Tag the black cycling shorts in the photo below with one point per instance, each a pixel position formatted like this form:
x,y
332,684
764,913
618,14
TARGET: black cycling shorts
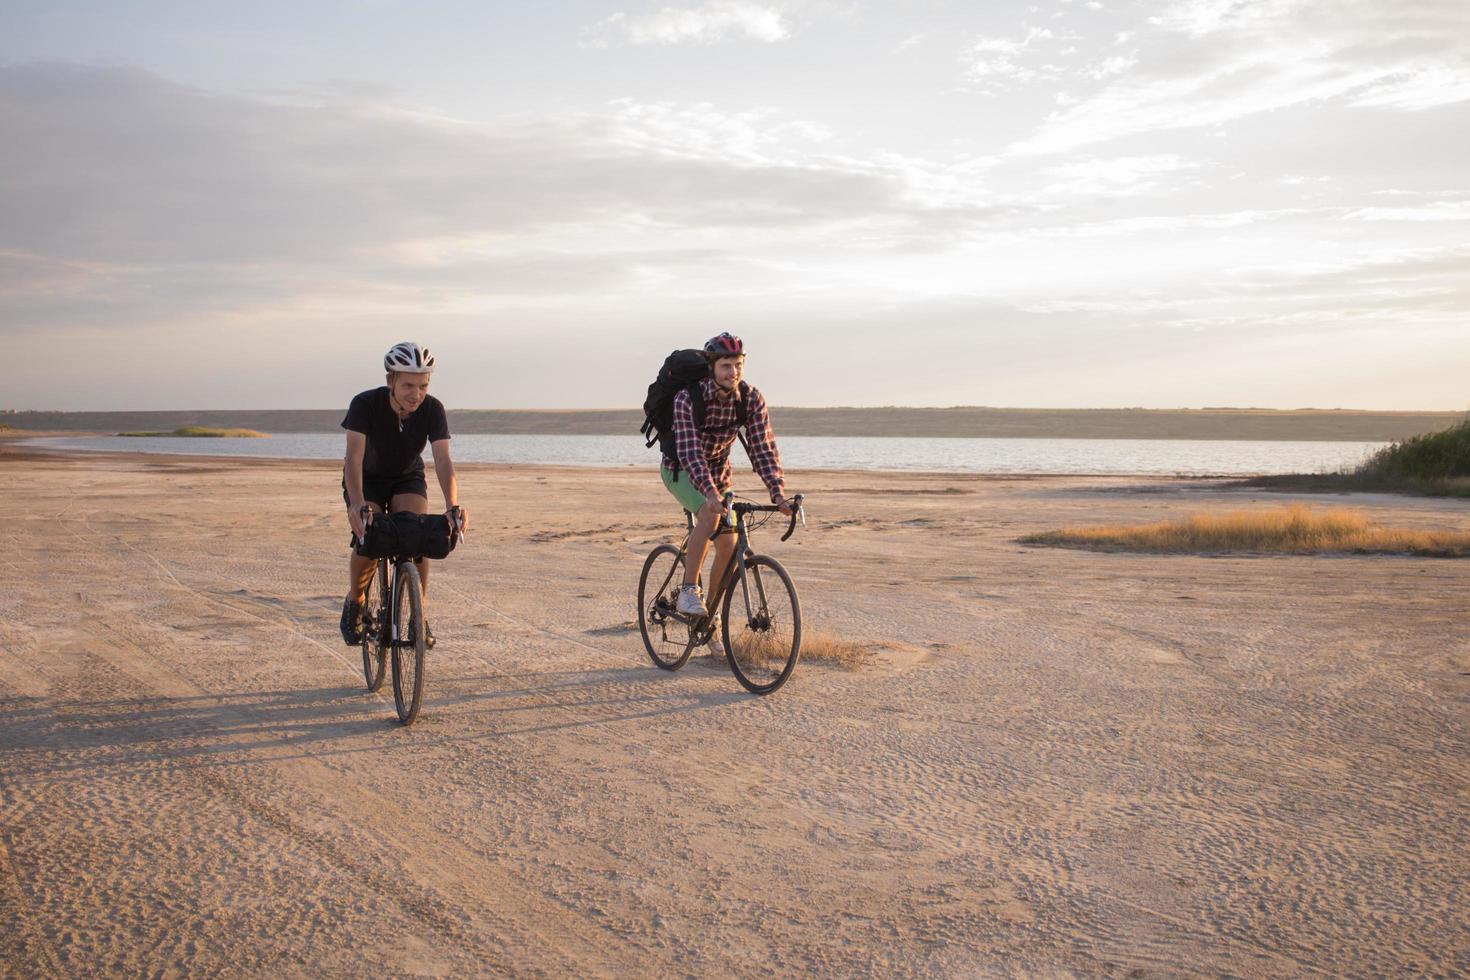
x,y
382,489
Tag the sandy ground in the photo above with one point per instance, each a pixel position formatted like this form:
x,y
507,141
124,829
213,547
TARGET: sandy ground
x,y
1062,763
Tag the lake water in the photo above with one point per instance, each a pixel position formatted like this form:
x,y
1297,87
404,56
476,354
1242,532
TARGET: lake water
x,y
1102,456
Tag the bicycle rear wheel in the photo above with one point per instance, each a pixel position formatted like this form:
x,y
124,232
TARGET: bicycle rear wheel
x,y
408,642
375,637
666,638
762,627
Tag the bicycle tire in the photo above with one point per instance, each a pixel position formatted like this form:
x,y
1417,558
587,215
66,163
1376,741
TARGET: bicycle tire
x,y
408,643
375,630
663,635
762,625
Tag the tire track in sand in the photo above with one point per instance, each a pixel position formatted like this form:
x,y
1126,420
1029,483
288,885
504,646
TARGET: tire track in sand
x,y
441,855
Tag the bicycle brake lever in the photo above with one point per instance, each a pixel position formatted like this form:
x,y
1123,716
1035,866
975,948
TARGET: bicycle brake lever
x,y
795,513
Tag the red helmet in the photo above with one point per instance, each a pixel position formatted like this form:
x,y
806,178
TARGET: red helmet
x,y
724,345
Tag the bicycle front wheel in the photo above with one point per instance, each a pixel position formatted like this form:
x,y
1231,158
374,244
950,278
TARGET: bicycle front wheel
x,y
375,639
408,642
762,625
665,637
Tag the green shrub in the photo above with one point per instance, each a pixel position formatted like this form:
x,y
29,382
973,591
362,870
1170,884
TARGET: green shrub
x,y
1433,456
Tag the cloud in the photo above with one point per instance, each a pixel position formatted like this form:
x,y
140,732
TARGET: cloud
x,y
707,23
1110,67
126,199
1149,224
121,164
1116,176
1418,88
1039,56
1436,211
757,136
1198,18
1424,289
1208,62
992,64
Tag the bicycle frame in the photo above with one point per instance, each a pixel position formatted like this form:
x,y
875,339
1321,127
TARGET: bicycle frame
x,y
737,567
405,644
703,626
389,631
761,623
391,566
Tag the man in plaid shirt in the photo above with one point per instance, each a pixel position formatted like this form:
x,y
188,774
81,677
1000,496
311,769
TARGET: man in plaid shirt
x,y
700,477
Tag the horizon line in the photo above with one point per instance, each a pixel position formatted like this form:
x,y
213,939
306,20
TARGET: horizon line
x,y
4,412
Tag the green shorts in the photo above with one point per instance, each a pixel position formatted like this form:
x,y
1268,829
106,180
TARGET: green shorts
x,y
689,498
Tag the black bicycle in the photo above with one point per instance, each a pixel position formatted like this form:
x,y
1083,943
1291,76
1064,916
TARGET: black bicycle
x,y
757,603
393,629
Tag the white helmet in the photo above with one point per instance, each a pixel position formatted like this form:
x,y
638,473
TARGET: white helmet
x,y
409,358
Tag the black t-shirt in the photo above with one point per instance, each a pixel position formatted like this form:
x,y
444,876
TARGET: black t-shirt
x,y
394,448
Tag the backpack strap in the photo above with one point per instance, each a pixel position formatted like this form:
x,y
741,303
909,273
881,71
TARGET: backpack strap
x,y
696,402
742,418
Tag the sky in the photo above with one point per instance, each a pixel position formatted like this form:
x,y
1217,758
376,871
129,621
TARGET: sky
x,y
1074,203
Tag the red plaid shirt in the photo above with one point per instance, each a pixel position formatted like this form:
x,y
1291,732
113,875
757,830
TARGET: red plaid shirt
x,y
699,449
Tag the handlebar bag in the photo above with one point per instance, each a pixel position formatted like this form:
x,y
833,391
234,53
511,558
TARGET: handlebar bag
x,y
407,535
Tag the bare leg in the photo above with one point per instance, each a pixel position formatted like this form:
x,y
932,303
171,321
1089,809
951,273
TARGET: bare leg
x,y
704,526
724,551
360,570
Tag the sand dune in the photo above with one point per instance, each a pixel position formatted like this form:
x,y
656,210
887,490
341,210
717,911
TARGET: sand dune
x,y
1060,763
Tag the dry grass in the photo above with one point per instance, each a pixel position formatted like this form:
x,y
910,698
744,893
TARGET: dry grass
x,y
767,651
829,648
204,432
761,651
1296,530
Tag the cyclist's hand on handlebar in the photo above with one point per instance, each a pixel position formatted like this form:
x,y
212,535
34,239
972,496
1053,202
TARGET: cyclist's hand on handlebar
x,y
793,508
358,517
458,513
721,504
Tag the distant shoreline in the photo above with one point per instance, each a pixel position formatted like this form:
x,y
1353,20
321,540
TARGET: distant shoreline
x,y
1302,425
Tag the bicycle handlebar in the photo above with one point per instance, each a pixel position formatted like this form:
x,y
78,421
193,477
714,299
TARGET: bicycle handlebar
x,y
795,513
768,508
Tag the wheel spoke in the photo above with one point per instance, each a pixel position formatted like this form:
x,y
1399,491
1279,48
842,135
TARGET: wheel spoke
x,y
408,643
763,626
666,638
374,617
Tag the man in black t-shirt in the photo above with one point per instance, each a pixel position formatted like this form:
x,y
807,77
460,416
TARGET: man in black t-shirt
x,y
387,429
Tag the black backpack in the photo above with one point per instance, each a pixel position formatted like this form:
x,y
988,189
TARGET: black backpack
x,y
681,371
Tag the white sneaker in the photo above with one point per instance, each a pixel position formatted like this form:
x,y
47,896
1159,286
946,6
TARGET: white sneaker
x,y
716,645
691,601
